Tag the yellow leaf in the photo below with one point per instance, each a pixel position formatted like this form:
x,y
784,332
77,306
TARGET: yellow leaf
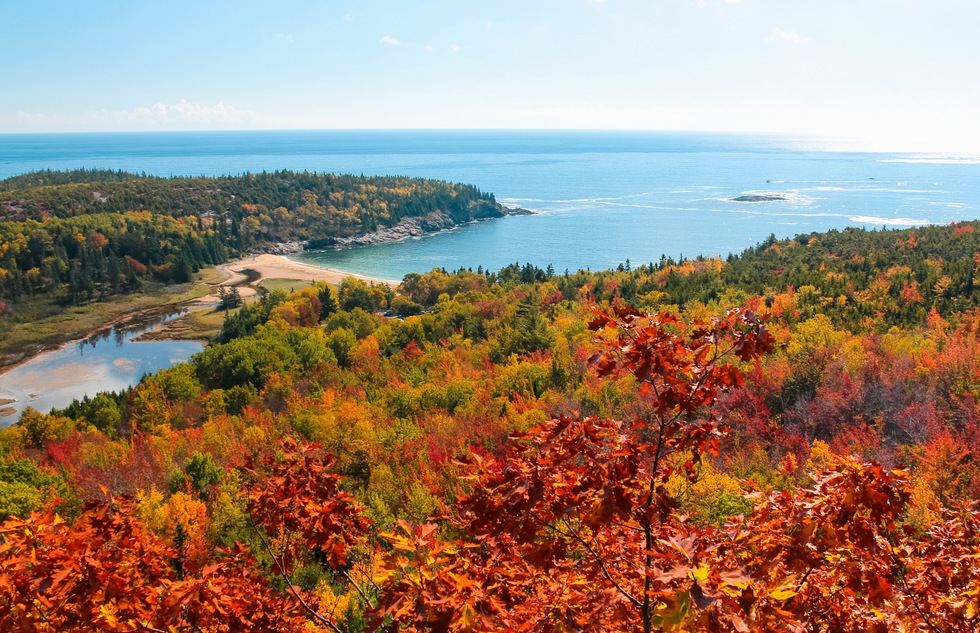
x,y
467,616
784,592
699,574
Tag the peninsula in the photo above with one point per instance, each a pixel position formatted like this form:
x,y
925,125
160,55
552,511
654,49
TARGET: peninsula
x,y
83,248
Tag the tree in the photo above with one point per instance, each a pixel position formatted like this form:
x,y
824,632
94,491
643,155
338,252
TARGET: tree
x,y
306,519
229,298
577,529
328,305
576,526
107,572
201,473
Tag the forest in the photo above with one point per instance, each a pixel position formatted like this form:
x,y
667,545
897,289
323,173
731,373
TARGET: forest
x,y
87,234
783,440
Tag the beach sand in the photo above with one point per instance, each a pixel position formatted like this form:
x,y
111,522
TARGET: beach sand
x,y
278,267
266,266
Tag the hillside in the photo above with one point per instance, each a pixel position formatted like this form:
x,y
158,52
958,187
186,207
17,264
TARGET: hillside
x,y
781,441
109,242
87,234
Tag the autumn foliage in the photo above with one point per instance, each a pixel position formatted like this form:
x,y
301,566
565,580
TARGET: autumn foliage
x,y
576,529
424,486
107,572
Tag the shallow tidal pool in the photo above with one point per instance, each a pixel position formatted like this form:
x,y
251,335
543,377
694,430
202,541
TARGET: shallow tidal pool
x,y
107,361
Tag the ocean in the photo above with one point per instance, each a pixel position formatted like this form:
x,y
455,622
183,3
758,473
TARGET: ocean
x,y
598,198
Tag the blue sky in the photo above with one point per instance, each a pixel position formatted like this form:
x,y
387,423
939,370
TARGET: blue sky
x,y
889,74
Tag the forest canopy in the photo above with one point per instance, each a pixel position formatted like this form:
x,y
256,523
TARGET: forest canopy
x,y
88,234
784,440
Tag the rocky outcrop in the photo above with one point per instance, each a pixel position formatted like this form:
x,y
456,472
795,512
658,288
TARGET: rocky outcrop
x,y
760,197
281,248
406,228
421,225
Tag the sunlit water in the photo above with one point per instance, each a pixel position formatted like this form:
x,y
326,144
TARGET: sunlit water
x,y
599,198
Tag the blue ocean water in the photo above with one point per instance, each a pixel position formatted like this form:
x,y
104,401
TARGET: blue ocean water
x,y
599,198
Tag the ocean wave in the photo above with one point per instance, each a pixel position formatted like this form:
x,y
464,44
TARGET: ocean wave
x,y
603,199
872,219
755,212
653,207
950,205
800,215
810,184
888,190
935,160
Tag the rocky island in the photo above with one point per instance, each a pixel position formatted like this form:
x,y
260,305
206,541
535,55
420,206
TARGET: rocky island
x,y
760,197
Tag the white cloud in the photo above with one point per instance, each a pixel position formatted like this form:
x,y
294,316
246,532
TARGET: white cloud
x,y
348,17
180,114
389,40
428,48
454,48
284,37
792,37
30,120
599,2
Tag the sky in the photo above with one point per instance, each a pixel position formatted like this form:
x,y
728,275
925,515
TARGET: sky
x,y
867,74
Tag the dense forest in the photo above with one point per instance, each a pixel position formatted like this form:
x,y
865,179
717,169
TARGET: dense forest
x,y
781,441
84,235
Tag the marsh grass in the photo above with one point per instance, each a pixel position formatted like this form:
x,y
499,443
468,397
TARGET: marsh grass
x,y
41,322
289,285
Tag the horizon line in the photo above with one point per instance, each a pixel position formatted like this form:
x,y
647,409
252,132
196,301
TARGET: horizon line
x,y
820,143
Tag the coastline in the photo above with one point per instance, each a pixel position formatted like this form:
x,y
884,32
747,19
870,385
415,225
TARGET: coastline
x,y
137,319
245,273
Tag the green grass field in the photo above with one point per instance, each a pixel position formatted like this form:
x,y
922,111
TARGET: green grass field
x,y
289,285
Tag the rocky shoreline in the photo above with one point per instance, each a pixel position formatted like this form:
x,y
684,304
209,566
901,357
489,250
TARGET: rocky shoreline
x,y
405,228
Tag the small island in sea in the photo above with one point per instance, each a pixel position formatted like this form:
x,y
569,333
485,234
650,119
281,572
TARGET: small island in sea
x,y
760,197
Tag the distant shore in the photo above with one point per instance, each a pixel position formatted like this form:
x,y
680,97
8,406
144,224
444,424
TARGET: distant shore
x,y
268,266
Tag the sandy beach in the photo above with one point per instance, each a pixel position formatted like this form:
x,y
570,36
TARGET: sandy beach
x,y
278,267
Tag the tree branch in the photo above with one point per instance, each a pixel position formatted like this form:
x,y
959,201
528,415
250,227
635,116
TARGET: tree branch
x,y
289,583
602,565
